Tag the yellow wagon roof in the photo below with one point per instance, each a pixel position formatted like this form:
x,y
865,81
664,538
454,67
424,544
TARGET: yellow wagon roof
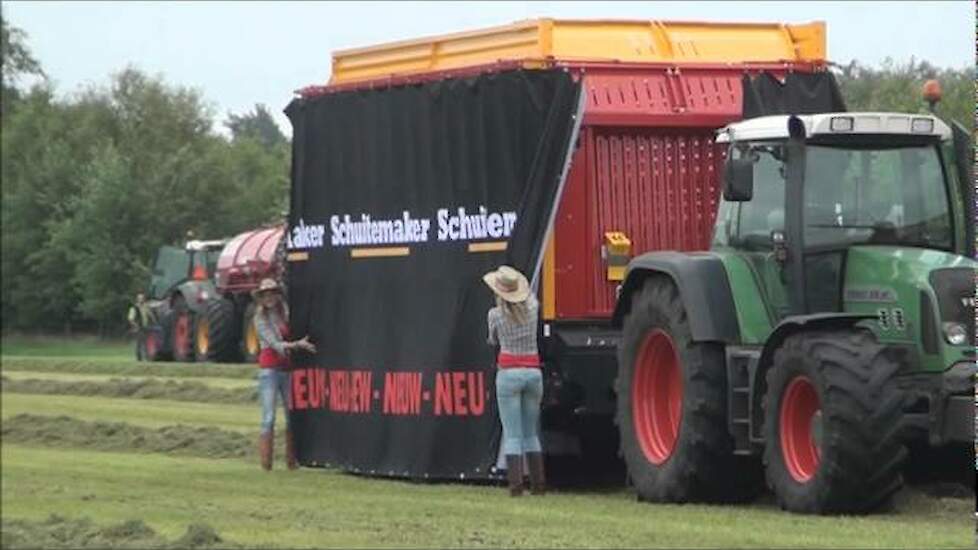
x,y
536,41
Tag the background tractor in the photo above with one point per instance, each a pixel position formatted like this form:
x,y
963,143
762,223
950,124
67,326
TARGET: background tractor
x,y
179,291
226,333
830,324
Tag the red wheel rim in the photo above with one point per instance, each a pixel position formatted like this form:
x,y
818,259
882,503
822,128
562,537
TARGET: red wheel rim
x,y
657,397
800,411
181,335
151,346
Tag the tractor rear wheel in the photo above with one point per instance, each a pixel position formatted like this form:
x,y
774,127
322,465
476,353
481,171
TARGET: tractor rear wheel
x,y
672,403
202,338
832,421
150,345
249,335
182,331
224,332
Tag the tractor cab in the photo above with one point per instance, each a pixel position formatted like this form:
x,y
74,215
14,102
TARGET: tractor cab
x,y
851,212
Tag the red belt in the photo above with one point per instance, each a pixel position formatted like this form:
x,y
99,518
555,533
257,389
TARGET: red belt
x,y
511,361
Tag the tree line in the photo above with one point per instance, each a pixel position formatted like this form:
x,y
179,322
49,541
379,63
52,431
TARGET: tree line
x,y
95,182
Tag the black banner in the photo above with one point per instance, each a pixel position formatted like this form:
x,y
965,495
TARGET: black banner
x,y
799,94
401,199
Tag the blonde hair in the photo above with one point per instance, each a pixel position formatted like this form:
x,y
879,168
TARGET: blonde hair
x,y
516,312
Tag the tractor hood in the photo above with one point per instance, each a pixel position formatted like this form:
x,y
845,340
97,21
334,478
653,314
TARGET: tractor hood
x,y
916,295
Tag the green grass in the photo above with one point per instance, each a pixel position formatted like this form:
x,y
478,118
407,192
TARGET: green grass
x,y
223,383
325,508
126,367
318,508
53,346
151,413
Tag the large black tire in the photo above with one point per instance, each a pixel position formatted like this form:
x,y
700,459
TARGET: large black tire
x,y
224,331
249,337
847,456
663,376
182,331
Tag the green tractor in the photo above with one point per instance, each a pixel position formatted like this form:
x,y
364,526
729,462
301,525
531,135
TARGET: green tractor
x,y
180,290
830,325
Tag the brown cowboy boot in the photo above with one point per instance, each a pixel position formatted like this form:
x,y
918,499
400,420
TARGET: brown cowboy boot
x,y
514,474
265,450
538,481
290,451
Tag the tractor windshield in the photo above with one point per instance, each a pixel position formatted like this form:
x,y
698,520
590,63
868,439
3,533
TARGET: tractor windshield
x,y
893,196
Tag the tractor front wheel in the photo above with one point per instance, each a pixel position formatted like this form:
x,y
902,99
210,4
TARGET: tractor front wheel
x,y
672,405
249,336
832,416
182,331
224,331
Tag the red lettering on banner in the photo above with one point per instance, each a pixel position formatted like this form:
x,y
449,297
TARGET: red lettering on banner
x,y
459,390
414,393
320,385
477,393
390,396
443,393
360,392
339,398
315,399
402,393
299,390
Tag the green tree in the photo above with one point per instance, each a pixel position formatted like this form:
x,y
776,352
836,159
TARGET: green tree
x,y
897,87
17,62
258,125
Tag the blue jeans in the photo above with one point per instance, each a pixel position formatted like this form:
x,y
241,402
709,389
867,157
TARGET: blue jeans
x,y
272,383
518,392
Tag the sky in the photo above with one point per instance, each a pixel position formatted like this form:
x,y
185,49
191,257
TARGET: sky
x,y
242,53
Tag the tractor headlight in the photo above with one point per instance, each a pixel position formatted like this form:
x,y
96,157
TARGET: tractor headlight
x,y
955,333
922,126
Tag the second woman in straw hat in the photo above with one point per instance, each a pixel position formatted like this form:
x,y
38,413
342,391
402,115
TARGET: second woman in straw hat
x,y
519,381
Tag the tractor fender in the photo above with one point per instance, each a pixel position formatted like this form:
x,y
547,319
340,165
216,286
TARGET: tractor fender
x,y
703,286
197,294
788,326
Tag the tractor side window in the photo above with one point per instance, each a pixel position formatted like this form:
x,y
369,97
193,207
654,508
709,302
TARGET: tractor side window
x,y
171,267
764,213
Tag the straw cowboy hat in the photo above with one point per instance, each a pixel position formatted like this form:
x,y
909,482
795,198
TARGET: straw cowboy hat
x,y
508,283
266,285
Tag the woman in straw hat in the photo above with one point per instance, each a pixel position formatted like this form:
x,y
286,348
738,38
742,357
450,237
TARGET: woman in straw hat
x,y
519,381
271,324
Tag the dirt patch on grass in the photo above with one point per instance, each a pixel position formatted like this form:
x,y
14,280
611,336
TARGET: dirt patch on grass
x,y
64,431
174,390
60,532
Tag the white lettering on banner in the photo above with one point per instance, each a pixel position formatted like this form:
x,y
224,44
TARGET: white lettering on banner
x,y
466,227
305,236
453,225
366,231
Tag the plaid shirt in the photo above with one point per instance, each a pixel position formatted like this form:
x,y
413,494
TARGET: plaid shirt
x,y
266,325
514,338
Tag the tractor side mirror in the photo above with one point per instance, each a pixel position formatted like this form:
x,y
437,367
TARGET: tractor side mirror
x,y
738,177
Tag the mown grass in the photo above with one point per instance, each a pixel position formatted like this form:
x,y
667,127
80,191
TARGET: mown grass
x,y
137,388
224,383
317,508
76,463
55,346
126,367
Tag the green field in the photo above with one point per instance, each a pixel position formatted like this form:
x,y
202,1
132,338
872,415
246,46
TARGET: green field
x,y
102,466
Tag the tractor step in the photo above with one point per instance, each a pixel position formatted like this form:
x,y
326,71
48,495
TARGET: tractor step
x,y
741,366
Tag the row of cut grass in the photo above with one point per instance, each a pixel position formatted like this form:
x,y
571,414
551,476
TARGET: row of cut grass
x,y
127,367
322,508
69,377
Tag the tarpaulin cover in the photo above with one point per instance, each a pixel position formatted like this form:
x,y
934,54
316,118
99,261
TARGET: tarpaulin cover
x,y
799,94
402,198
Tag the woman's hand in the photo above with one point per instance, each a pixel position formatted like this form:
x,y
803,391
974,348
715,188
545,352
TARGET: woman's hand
x,y
303,344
